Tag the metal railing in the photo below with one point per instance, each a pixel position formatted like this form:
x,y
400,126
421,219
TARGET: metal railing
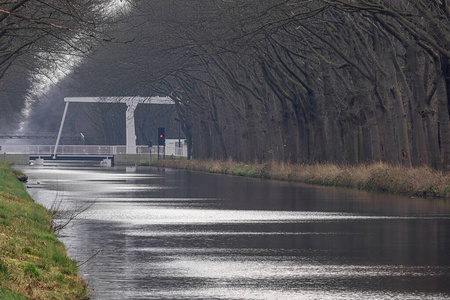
x,y
81,150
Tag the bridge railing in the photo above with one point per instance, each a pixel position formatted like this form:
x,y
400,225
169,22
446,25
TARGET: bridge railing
x,y
27,149
75,149
100,150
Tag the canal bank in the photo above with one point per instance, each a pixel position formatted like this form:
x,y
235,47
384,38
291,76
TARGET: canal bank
x,y
378,177
33,262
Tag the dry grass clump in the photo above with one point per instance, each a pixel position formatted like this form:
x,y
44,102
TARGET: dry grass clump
x,y
420,181
395,179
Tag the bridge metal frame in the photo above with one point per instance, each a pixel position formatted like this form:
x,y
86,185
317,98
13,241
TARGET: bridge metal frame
x,y
34,135
131,103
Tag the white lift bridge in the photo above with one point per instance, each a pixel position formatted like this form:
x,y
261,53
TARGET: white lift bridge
x,y
131,103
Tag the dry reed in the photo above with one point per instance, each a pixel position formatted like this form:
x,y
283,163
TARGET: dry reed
x,y
383,177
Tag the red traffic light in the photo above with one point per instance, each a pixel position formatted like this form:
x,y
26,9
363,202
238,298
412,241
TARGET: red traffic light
x,y
161,136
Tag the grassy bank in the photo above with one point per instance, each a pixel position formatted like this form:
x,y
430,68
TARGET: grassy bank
x,y
415,182
33,262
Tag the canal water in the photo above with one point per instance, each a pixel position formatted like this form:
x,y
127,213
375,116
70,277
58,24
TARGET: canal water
x,y
173,234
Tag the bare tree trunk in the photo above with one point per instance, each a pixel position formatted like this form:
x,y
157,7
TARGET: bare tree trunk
x,y
399,115
361,145
321,151
417,107
430,122
354,134
221,151
381,91
387,132
374,130
333,126
444,123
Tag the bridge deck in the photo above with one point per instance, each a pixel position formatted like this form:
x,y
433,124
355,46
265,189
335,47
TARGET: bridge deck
x,y
71,157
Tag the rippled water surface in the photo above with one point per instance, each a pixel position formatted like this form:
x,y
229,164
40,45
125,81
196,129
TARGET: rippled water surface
x,y
170,234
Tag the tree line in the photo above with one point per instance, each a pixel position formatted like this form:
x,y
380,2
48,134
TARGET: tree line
x,y
351,81
310,81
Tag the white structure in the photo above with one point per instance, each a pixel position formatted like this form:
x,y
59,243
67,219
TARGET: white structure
x,y
131,103
176,147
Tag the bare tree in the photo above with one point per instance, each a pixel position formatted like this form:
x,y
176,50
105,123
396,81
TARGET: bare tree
x,y
300,81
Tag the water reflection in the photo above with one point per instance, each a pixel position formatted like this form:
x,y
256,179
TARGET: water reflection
x,y
169,234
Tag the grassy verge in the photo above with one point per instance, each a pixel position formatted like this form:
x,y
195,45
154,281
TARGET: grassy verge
x,y
382,177
33,262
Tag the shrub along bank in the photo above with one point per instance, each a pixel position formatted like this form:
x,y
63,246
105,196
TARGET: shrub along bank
x,y
33,262
382,177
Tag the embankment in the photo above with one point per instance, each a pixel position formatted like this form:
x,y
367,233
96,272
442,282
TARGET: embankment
x,y
380,177
33,262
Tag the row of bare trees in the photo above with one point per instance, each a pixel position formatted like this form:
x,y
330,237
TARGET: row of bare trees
x,y
40,40
301,81
312,81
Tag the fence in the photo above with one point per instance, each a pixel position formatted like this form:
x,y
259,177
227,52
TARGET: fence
x,y
82,150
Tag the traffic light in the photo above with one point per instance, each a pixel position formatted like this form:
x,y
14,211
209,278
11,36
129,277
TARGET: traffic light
x,y
161,136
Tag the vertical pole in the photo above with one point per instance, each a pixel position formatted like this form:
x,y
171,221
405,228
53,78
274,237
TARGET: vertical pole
x,y
179,139
60,130
130,128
